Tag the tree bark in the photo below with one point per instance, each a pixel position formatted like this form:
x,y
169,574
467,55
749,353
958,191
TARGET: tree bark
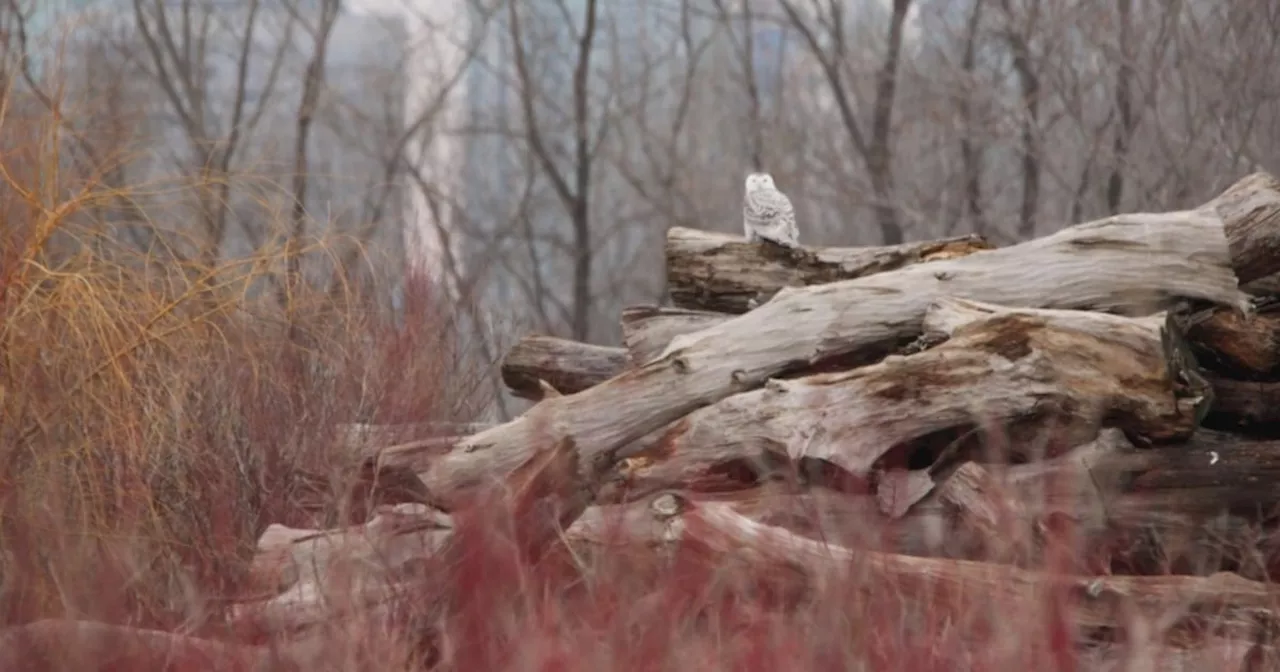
x,y
311,576
1001,367
647,330
724,273
1133,264
1245,403
1237,343
567,366
958,587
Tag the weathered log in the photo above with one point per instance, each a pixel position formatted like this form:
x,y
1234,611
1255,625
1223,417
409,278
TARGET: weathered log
x,y
567,366
1001,365
1133,264
415,455
959,587
1234,342
725,273
311,576
1195,505
646,330
1230,653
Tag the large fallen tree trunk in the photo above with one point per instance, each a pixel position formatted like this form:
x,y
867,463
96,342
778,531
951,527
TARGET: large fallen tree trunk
x,y
962,588
308,577
1239,344
1229,341
724,273
1131,264
1186,506
1002,367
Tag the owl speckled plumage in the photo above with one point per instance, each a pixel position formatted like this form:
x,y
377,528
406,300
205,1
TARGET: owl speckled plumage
x,y
767,213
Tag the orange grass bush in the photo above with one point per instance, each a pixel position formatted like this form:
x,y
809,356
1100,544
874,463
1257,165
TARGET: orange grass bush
x,y
155,414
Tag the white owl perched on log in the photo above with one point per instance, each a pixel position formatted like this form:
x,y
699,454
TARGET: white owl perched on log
x,y
767,213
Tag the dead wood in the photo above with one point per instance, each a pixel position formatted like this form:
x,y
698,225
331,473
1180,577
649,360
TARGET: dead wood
x,y
357,437
1231,341
1245,403
1001,366
1131,264
1239,344
309,576
724,273
567,366
961,588
312,576
646,330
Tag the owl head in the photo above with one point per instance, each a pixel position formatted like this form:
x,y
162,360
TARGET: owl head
x,y
759,181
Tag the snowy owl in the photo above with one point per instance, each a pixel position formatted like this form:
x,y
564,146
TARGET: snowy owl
x,y
767,213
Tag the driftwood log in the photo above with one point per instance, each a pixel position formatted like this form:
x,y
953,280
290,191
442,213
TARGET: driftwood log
x,y
958,586
1132,264
724,273
309,577
567,366
1228,340
1075,370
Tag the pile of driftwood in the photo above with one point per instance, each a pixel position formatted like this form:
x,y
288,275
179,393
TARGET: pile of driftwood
x,y
1115,383
1116,379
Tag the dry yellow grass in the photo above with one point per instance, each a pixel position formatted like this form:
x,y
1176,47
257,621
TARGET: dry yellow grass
x,y
155,412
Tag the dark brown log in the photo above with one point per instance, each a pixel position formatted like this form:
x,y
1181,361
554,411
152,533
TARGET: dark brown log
x,y
721,272
567,366
1245,403
1130,264
1239,344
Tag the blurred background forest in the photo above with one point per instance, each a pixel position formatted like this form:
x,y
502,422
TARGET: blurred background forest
x,y
526,158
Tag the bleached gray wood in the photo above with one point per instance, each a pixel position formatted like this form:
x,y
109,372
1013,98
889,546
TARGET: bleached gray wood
x,y
1001,367
566,366
646,330
732,539
1134,264
720,272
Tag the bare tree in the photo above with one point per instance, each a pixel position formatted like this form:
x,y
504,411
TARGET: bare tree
x,y
312,83
826,35
178,41
574,191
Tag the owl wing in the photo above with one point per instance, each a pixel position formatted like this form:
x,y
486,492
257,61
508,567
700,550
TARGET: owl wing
x,y
767,206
